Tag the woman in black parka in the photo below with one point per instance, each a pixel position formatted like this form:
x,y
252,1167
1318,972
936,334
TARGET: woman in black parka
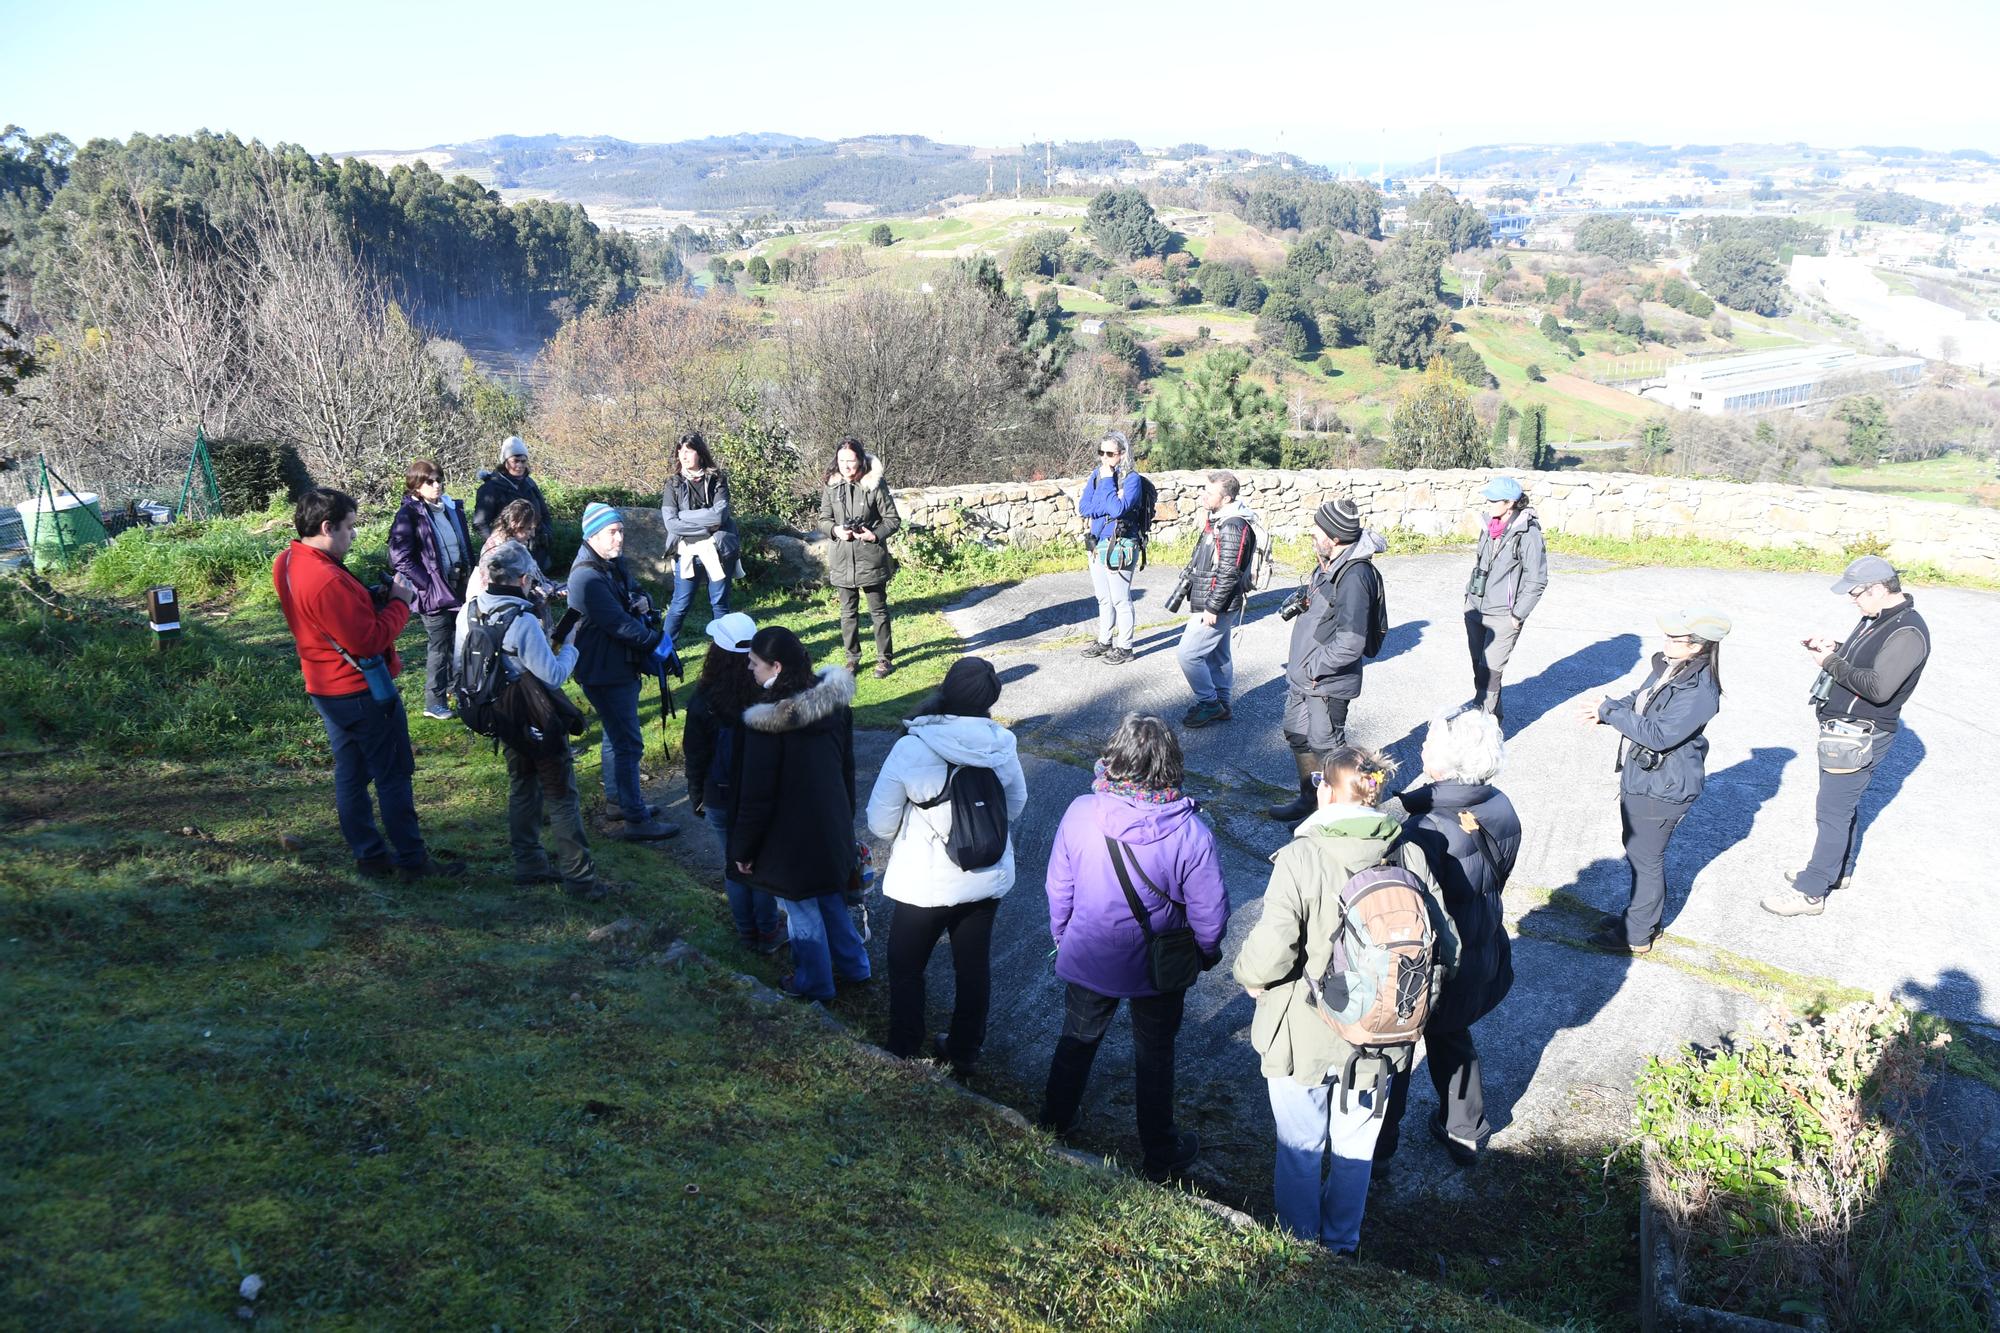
x,y
791,832
1469,835
1662,759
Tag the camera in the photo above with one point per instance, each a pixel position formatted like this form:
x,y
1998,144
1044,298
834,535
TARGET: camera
x,y
1295,605
1644,758
1178,597
379,594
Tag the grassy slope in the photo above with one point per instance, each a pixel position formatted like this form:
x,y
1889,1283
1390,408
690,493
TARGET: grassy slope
x,y
1952,479
420,1104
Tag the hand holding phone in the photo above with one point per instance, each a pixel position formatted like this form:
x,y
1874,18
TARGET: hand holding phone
x,y
567,625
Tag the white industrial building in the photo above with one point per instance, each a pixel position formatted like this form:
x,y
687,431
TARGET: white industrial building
x,y
1778,380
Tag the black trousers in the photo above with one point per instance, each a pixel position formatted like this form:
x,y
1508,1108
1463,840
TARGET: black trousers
x,y
1453,1060
1648,825
1837,809
1156,1020
440,661
1314,725
850,621
913,934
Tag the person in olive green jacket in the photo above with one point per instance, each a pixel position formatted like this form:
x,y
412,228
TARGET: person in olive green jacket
x,y
857,512
1320,1195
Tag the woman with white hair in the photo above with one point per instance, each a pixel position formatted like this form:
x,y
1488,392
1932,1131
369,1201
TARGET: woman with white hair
x,y
1469,834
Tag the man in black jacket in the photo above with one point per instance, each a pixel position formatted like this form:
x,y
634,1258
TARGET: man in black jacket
x,y
1218,582
1345,617
499,489
1864,682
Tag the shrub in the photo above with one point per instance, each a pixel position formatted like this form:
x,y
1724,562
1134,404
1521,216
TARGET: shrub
x,y
881,234
1535,372
251,473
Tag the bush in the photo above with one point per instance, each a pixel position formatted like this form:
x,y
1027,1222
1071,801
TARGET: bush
x,y
251,473
1535,372
881,234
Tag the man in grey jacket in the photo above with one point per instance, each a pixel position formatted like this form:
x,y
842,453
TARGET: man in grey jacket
x,y
1510,571
1345,617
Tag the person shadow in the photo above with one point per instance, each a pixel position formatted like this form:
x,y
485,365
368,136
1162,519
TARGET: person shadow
x,y
1589,668
1721,818
1904,755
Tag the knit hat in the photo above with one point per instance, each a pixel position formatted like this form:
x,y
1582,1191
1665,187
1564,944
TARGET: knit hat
x,y
1711,626
1502,488
1339,520
969,690
513,447
732,633
597,516
509,562
1864,571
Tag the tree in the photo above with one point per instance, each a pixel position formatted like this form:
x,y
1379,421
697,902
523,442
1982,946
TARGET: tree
x,y
758,270
1655,443
781,269
1125,226
1218,417
1344,315
1743,275
1434,425
1867,421
1038,254
1535,372
1464,361
1232,284
1120,290
1630,323
1533,443
1502,419
1614,238
1405,325
1438,215
1285,324
881,234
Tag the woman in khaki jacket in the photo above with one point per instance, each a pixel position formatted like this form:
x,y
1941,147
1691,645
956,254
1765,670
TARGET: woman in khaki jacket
x,y
1321,1097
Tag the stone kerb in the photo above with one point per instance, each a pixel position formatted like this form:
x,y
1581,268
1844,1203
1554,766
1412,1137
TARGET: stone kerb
x,y
1440,503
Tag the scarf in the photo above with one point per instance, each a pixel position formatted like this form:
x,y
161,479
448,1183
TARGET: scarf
x,y
1132,791
1495,526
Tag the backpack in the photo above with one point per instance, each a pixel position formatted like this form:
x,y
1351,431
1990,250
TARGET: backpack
x,y
1384,976
978,837
1138,525
512,707
1378,623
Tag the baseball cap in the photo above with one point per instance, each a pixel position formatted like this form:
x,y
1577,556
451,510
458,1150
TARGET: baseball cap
x,y
1868,569
1502,488
732,632
1701,624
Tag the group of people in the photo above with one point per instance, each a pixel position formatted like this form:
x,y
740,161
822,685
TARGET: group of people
x,y
1137,904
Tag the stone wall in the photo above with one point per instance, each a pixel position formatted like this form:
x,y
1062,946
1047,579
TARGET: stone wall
x,y
1958,538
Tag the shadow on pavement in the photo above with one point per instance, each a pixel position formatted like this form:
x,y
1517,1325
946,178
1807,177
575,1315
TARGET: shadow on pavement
x,y
1401,639
1904,755
1721,818
1589,668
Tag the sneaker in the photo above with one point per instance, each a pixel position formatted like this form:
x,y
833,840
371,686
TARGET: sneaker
x,y
1186,1147
1612,939
1117,656
1203,713
651,830
1225,715
853,666
1461,1152
883,667
439,714
531,877
1790,902
788,987
432,868
615,815
771,941
1095,649
1792,878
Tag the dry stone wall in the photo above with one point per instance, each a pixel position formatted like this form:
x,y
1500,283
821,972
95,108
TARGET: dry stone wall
x,y
1958,538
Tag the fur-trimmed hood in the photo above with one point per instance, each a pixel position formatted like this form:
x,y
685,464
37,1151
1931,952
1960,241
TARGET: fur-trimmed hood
x,y
798,711
871,473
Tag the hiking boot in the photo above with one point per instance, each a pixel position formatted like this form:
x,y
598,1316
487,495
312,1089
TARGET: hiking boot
x,y
1180,1156
1790,902
1792,878
531,876
770,941
616,815
1096,649
853,666
1204,713
439,714
589,891
1304,804
1117,656
432,868
1615,921
375,867
883,666
941,1052
1461,1152
650,830
1612,939
788,987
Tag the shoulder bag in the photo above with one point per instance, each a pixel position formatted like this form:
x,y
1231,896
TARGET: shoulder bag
x,y
1173,958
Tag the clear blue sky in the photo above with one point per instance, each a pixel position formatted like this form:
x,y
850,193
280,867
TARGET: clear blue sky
x,y
1324,80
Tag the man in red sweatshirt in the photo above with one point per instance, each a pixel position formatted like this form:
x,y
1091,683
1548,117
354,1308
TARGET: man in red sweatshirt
x,y
344,631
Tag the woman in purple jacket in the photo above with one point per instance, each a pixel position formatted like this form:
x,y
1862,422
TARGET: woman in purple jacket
x,y
1101,947
430,548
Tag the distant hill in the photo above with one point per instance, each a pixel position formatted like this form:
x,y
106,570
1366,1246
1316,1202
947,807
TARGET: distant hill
x,y
1531,161
784,173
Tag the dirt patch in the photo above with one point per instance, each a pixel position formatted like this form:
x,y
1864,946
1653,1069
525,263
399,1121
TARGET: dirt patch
x,y
1598,395
1184,326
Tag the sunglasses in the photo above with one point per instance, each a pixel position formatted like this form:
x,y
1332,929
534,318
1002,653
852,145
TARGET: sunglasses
x,y
1107,453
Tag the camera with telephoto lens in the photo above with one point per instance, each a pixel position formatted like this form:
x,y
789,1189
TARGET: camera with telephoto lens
x,y
1295,605
1178,597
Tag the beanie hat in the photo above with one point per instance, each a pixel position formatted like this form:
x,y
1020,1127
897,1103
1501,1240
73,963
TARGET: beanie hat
x,y
1339,520
509,562
970,688
513,447
597,516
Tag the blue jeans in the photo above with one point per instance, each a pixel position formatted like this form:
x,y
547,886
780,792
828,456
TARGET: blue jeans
x,y
825,945
371,743
618,713
1320,1183
754,911
683,598
1206,661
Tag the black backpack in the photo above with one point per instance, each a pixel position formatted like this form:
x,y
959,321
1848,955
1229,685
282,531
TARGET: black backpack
x,y
1138,525
510,705
978,816
1378,623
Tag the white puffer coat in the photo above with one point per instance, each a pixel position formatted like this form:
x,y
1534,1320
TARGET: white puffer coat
x,y
919,871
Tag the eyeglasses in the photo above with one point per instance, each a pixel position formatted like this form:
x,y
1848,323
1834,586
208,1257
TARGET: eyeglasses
x,y
1683,638
1856,592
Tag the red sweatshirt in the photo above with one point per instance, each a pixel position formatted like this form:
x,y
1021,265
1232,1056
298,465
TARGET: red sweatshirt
x,y
324,599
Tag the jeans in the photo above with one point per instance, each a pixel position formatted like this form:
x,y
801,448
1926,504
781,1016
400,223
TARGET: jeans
x,y
1206,659
1314,725
1114,601
683,598
850,621
1156,1019
1648,824
825,945
754,911
1453,1060
440,658
624,741
547,784
1320,1182
1491,641
371,744
913,933
1837,808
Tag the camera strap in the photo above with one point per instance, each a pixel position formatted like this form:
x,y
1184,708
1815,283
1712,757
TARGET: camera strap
x,y
293,596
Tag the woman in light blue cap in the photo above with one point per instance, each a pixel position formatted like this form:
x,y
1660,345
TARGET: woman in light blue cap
x,y
1510,571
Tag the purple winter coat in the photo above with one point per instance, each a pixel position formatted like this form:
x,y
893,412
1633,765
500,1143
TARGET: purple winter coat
x,y
1099,945
415,558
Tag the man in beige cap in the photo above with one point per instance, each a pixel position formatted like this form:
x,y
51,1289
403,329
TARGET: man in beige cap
x,y
1864,681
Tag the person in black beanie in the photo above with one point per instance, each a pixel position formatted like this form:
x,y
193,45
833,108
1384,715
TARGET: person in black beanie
x,y
1338,621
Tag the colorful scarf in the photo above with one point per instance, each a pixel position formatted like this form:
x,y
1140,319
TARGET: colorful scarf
x,y
1132,791
1495,526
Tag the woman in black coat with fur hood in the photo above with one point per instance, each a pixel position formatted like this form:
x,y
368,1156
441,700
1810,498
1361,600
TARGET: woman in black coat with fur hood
x,y
791,832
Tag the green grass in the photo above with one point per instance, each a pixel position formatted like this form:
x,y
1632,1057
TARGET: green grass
x,y
1968,479
420,1104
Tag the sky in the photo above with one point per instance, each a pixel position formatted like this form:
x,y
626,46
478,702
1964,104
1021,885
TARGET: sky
x,y
1331,82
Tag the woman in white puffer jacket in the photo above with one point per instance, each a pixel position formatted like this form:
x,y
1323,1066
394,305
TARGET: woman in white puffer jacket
x,y
932,895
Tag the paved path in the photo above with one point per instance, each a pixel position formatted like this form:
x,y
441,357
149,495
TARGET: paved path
x,y
1561,1052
